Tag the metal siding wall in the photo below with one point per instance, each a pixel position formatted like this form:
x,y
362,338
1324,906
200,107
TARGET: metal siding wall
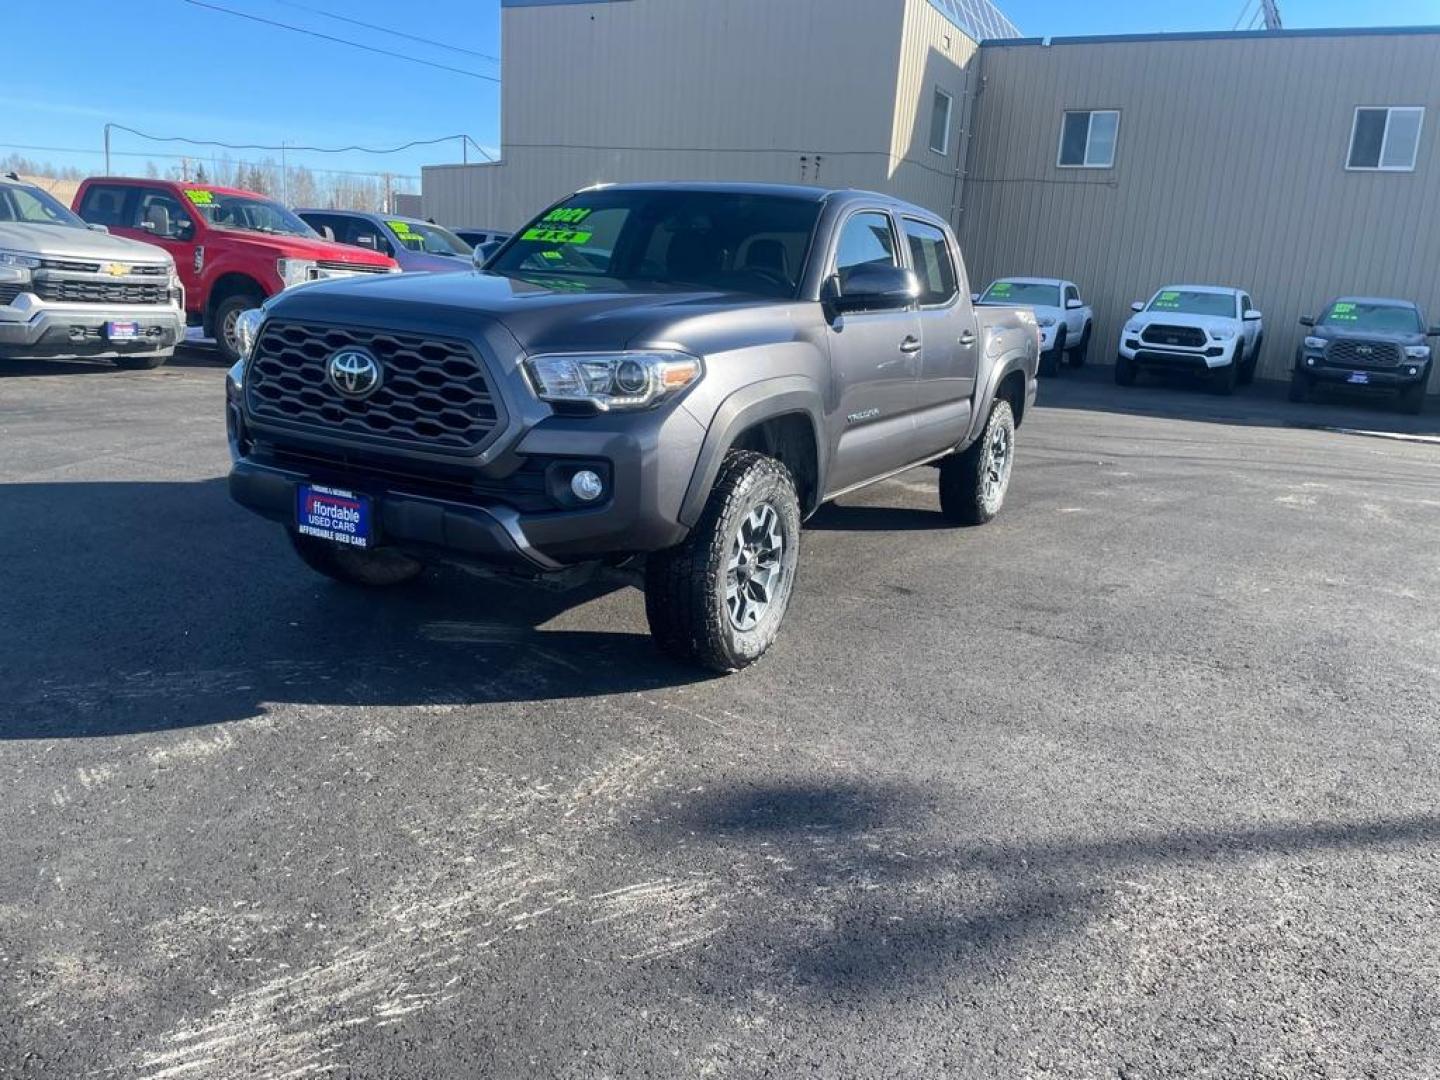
x,y
1229,170
634,91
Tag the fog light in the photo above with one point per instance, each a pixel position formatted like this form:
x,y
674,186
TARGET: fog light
x,y
1414,371
587,485
1310,360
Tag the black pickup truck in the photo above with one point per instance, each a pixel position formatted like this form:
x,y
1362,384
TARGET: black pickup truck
x,y
668,377
1366,342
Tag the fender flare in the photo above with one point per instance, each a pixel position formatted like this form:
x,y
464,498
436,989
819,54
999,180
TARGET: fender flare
x,y
1013,361
786,395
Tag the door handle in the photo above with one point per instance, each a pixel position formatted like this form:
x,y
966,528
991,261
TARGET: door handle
x,y
910,345
967,338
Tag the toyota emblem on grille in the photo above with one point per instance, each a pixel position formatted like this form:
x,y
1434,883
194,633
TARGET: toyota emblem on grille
x,y
354,372
1364,350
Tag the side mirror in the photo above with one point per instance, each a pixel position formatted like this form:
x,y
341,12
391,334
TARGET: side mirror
x,y
1073,303
1253,316
1138,305
1307,320
481,255
875,286
93,227
1434,331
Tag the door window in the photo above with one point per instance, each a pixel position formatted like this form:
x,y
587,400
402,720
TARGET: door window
x,y
934,265
104,204
1071,293
866,240
161,215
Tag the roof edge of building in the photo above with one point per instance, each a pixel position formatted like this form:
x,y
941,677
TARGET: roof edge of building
x,y
1216,35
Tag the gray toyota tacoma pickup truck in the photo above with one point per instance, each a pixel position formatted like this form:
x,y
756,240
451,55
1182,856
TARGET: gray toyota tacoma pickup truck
x,y
664,377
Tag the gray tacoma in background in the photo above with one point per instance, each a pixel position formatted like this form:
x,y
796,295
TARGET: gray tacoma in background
x,y
670,376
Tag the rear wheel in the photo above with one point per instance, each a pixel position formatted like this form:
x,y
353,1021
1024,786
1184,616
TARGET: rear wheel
x,y
1299,386
1125,370
718,598
973,482
1081,352
375,568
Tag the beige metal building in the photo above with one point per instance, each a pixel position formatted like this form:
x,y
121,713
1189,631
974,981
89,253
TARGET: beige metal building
x,y
1299,165
1232,165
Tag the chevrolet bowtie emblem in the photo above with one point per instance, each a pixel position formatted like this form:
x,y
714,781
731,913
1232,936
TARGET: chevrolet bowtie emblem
x,y
117,269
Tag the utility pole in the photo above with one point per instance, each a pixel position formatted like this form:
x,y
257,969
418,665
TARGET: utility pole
x,y
464,150
107,149
284,175
1271,10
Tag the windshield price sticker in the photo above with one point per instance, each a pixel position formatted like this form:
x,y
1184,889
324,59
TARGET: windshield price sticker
x,y
401,228
200,198
1002,288
556,236
1344,312
571,215
1168,300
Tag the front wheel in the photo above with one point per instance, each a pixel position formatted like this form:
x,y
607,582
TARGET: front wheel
x,y
1299,386
1125,370
1223,380
1081,352
374,568
1412,398
718,598
1050,361
973,482
227,340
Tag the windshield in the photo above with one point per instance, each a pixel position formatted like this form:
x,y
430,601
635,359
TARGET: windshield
x,y
1023,294
1378,318
430,239
1194,303
28,205
728,241
247,213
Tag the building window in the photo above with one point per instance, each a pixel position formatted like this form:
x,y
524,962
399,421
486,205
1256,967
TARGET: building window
x,y
1385,139
940,122
1087,139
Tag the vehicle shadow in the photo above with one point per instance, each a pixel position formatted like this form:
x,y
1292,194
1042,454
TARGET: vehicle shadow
x,y
151,606
1264,404
186,356
833,517
853,893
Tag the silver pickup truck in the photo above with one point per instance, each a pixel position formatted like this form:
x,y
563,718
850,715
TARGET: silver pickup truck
x,y
667,376
67,289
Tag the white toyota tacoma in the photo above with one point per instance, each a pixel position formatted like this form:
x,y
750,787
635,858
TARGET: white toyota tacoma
x,y
1065,320
1206,330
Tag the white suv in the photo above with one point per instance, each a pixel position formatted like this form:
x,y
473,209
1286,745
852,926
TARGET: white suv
x,y
1203,329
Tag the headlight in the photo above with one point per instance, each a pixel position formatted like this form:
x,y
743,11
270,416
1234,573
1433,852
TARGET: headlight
x,y
247,330
1132,327
1046,320
1315,343
1222,333
295,271
625,380
18,258
1418,352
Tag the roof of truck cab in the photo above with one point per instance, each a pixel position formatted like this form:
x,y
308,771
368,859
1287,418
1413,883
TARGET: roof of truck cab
x,y
804,192
183,185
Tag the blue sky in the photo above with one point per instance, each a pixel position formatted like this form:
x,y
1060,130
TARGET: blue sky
x,y
169,67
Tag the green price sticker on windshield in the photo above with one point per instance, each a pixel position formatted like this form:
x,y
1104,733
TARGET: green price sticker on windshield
x,y
1168,300
1345,312
556,236
199,197
568,215
401,227
1002,288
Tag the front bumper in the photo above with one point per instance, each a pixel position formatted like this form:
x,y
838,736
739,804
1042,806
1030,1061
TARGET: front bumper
x,y
1408,373
1215,354
30,327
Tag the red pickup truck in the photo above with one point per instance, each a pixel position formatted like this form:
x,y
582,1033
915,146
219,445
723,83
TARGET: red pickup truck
x,y
232,248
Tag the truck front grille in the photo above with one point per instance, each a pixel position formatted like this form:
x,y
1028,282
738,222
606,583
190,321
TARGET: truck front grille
x,y
1189,337
9,292
352,268
63,291
433,394
1363,354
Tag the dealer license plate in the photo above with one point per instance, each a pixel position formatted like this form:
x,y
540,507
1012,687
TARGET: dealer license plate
x,y
1360,378
122,331
342,517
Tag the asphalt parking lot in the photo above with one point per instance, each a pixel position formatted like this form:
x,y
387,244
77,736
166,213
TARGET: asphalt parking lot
x,y
1137,782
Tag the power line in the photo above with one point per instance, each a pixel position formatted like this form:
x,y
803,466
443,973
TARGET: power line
x,y
341,41
296,146
386,30
1244,11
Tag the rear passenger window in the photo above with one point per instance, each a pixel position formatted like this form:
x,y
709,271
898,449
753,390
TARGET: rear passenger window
x,y
930,253
104,204
866,240
1071,293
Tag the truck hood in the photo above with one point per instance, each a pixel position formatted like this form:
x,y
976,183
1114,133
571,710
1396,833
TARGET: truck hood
x,y
1141,319
1039,310
541,314
439,264
1341,333
304,247
63,242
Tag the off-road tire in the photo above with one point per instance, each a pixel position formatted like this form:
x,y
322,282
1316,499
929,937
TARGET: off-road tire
x,y
1050,361
1300,386
376,568
1252,362
1081,352
686,586
1223,380
142,362
227,309
1412,398
965,496
1125,371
